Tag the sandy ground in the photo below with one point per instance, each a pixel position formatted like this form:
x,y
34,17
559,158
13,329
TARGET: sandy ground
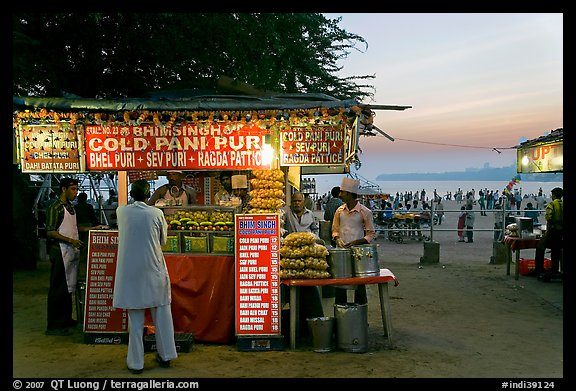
x,y
461,318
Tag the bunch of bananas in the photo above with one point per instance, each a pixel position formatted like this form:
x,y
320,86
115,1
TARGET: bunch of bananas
x,y
191,215
201,220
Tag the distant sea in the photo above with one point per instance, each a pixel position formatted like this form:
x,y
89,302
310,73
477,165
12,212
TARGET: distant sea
x,y
324,184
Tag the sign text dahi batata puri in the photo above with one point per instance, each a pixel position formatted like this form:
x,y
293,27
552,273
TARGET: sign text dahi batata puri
x,y
50,148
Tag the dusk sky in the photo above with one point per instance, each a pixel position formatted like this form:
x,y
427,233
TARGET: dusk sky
x,y
474,81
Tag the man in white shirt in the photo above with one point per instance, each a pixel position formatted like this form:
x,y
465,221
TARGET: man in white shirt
x,y
223,196
353,225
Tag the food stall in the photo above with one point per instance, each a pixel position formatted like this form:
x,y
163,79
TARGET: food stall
x,y
203,135
542,156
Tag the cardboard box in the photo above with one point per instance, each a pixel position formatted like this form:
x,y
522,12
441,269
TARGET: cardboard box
x,y
184,342
527,265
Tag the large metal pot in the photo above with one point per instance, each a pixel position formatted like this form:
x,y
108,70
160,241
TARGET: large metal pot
x,y
365,260
352,327
340,262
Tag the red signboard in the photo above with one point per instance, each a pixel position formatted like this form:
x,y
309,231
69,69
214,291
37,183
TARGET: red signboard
x,y
99,315
312,146
49,148
257,274
134,176
193,146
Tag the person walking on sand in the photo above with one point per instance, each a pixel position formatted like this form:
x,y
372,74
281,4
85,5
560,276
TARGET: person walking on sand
x,y
469,224
461,223
482,203
440,210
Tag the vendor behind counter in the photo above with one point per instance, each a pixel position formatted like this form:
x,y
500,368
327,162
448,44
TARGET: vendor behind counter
x,y
174,192
240,192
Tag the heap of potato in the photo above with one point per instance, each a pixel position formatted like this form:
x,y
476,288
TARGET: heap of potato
x,y
267,194
302,257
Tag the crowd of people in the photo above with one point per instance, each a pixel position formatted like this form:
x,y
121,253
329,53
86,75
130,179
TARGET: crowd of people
x,y
486,199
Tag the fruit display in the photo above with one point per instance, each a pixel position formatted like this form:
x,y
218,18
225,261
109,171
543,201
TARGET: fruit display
x,y
200,229
200,220
302,257
267,194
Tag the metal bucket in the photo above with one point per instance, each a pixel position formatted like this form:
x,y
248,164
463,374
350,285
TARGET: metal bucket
x,y
365,260
322,331
340,262
352,327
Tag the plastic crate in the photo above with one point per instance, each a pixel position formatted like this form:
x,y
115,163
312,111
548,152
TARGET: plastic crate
x,y
527,265
183,342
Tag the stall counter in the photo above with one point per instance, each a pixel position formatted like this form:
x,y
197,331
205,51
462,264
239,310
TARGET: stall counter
x,y
202,296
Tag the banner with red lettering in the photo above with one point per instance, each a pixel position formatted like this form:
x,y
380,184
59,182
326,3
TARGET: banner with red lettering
x,y
313,146
188,146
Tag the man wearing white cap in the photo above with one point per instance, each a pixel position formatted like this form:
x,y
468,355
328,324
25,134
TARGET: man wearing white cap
x,y
240,189
175,192
353,225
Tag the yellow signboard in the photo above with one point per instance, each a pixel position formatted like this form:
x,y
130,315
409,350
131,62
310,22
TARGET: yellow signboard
x,y
545,157
50,148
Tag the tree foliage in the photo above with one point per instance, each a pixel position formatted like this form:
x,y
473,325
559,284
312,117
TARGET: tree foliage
x,y
131,55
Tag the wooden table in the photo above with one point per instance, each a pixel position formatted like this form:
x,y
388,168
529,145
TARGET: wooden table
x,y
516,244
382,280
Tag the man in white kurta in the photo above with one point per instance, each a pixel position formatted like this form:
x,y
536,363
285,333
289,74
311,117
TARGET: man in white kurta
x,y
142,280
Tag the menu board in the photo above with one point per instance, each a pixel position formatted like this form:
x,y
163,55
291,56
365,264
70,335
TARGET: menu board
x,y
50,148
188,146
99,314
257,274
312,146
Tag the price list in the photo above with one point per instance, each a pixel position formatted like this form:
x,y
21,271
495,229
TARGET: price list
x,y
257,274
100,315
